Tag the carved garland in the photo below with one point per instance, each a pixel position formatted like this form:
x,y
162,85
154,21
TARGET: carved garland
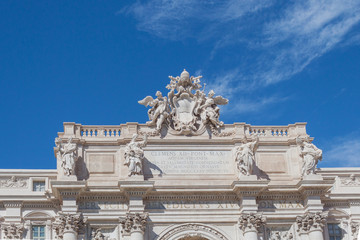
x,y
193,228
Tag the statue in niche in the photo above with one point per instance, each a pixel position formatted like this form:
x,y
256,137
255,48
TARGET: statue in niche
x,y
245,157
210,112
310,154
68,157
134,155
159,111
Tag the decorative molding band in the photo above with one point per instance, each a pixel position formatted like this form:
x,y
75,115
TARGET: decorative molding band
x,y
199,229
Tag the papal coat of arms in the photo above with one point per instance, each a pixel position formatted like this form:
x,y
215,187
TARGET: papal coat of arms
x,y
187,110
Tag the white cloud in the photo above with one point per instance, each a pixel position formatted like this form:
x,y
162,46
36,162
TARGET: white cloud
x,y
308,30
344,152
277,40
180,19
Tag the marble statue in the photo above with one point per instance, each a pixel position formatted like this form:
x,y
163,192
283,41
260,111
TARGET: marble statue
x,y
134,155
310,154
159,111
187,110
210,112
68,157
245,157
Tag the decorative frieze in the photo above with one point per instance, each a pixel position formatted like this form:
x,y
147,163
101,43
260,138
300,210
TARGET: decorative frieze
x,y
14,182
68,222
134,222
251,222
352,180
279,234
311,221
13,231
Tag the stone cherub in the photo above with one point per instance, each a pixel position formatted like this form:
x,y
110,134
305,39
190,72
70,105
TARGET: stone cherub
x,y
159,111
68,157
210,112
311,155
245,157
134,155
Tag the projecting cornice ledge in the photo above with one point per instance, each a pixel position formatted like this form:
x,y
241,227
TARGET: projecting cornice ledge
x,y
314,185
249,186
136,188
68,189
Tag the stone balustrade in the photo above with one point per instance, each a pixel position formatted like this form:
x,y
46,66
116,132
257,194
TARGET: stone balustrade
x,y
236,130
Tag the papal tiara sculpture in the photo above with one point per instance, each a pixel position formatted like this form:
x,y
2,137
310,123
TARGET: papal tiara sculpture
x,y
186,110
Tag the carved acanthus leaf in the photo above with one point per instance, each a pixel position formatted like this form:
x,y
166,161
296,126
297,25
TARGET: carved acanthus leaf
x,y
251,222
134,222
67,221
13,231
311,221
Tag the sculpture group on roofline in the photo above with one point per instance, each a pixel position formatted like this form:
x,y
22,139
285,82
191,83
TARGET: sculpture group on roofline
x,y
186,110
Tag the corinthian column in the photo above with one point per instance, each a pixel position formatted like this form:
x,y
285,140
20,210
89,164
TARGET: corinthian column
x,y
311,224
67,225
134,225
250,224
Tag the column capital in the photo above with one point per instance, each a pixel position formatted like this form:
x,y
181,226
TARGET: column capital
x,y
251,222
134,222
355,229
68,222
311,222
13,230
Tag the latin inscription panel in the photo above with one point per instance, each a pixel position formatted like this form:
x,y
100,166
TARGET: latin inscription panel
x,y
188,162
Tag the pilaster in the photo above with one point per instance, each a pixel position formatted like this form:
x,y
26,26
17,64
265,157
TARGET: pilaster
x,y
311,225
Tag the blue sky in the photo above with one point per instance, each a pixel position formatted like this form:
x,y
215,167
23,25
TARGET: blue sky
x,y
89,62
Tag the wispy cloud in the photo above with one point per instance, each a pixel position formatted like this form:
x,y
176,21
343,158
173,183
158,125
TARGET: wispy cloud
x,y
344,152
307,30
277,40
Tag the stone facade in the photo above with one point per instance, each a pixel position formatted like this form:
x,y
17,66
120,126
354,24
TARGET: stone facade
x,y
184,175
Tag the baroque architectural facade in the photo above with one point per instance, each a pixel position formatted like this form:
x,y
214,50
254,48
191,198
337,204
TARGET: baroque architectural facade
x,y
184,175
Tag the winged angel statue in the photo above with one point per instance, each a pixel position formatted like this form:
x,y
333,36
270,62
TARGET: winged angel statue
x,y
187,110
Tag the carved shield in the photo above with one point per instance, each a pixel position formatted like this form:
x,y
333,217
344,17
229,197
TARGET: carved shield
x,y
184,108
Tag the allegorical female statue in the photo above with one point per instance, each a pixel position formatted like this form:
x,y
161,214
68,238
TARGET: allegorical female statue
x,y
245,157
134,155
68,157
310,154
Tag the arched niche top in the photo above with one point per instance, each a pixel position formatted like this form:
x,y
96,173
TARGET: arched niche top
x,y
192,230
38,215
